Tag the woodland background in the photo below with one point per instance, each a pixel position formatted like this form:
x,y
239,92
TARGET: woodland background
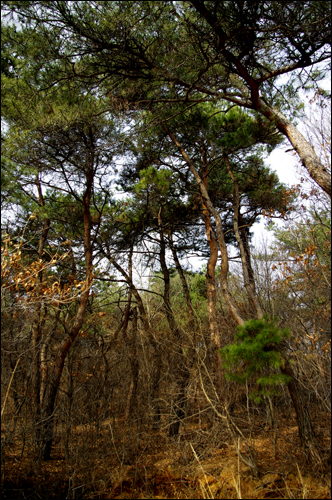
x,y
135,136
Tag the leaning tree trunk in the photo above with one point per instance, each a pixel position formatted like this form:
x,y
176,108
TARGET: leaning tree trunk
x,y
47,416
220,233
306,152
302,146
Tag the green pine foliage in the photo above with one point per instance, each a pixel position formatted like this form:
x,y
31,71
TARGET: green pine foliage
x,y
254,356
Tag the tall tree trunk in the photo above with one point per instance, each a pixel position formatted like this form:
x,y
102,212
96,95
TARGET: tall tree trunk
x,y
212,309
50,397
190,310
246,266
43,356
167,283
211,295
244,237
220,233
302,146
37,333
181,400
180,370
128,306
134,367
306,152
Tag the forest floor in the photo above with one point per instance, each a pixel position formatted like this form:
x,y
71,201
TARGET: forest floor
x,y
115,462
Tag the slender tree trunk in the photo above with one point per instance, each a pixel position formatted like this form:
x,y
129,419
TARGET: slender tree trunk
x,y
50,397
210,279
244,237
211,293
306,430
156,365
181,370
190,310
43,357
36,375
211,299
246,266
181,400
179,406
220,233
128,306
167,283
37,334
134,366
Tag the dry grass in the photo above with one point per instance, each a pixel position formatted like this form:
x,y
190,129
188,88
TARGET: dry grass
x,y
198,464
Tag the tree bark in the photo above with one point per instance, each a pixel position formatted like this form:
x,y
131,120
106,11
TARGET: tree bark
x,y
50,397
156,366
128,307
167,283
190,310
306,152
220,233
306,430
302,146
211,296
37,334
246,266
134,367
181,370
179,405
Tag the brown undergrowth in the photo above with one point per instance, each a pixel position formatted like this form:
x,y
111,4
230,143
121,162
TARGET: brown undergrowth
x,y
117,461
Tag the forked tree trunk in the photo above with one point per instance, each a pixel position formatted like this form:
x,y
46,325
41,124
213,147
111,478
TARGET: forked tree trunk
x,y
220,233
